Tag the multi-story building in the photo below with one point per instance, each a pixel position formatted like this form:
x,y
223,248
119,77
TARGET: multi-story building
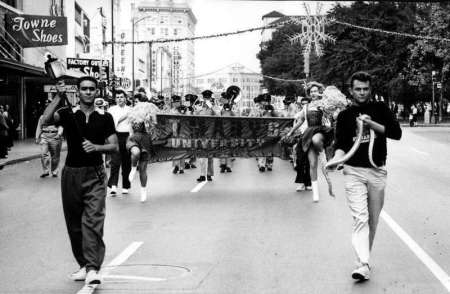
x,y
249,82
24,85
170,66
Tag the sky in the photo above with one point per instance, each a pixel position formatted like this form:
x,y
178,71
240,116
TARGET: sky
x,y
220,16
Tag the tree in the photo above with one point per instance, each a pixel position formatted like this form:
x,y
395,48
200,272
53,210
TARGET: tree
x,y
432,19
384,56
280,59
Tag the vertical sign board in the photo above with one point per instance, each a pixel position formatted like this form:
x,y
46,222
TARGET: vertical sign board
x,y
98,69
37,30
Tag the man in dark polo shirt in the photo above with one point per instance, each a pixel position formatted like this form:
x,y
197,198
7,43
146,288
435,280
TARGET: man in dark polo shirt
x,y
89,133
365,172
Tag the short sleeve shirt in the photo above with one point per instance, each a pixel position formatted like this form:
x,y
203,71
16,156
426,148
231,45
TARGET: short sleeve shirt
x,y
97,128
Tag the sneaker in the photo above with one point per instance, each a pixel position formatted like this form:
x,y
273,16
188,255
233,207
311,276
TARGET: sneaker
x,y
175,169
44,175
93,278
187,166
124,191
269,168
79,275
300,187
143,194
113,191
209,178
193,166
309,188
362,273
262,169
228,169
181,172
201,179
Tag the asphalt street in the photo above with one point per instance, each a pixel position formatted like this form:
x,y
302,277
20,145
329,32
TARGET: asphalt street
x,y
245,232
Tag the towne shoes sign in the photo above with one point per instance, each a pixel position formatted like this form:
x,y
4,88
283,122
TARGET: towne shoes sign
x,y
184,136
37,30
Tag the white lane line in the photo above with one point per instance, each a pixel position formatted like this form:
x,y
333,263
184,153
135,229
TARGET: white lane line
x,y
121,258
437,271
418,151
198,187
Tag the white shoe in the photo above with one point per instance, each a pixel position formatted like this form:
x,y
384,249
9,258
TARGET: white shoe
x,y
113,190
362,273
300,187
124,191
315,189
93,277
79,275
143,194
132,173
309,188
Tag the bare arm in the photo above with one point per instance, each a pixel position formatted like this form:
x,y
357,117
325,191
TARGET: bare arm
x,y
38,129
299,122
50,111
110,146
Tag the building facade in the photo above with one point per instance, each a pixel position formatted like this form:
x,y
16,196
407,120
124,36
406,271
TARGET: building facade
x,y
170,66
25,87
236,74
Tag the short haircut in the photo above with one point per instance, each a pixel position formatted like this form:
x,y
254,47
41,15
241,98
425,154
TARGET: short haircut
x,y
361,76
87,78
120,91
140,97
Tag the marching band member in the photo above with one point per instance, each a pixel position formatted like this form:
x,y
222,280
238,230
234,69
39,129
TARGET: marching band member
x,y
177,108
206,164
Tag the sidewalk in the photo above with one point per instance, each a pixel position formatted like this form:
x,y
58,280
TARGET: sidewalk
x,y
440,125
22,151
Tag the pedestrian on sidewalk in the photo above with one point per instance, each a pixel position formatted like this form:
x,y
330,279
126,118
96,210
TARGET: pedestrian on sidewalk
x,y
49,137
365,172
4,128
89,133
122,158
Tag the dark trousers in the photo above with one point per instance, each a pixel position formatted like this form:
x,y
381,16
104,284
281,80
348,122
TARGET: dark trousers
x,y
3,146
83,198
121,158
302,166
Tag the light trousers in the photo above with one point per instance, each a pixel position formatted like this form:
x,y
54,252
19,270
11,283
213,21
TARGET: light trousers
x,y
206,166
364,188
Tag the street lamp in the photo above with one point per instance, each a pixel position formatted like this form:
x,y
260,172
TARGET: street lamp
x,y
433,74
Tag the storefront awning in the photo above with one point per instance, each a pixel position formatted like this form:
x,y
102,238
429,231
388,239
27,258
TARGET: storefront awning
x,y
21,69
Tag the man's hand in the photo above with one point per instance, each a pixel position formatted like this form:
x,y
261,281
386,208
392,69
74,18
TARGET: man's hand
x,y
89,147
36,140
365,118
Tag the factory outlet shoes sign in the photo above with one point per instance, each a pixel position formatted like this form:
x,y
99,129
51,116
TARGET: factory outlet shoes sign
x,y
37,30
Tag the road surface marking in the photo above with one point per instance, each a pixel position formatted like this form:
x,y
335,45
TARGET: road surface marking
x,y
418,151
121,258
437,271
198,187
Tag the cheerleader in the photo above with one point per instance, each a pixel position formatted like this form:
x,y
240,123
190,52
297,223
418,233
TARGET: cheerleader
x,y
142,118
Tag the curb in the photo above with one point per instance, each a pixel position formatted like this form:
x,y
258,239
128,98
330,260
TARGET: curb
x,y
22,159
426,126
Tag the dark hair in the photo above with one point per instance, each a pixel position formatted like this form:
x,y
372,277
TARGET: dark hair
x,y
140,97
87,78
361,76
120,91
312,84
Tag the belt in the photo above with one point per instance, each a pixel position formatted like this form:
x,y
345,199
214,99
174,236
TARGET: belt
x,y
49,131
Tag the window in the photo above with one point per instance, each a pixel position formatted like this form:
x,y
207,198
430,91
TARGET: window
x,y
153,31
175,32
77,14
166,31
